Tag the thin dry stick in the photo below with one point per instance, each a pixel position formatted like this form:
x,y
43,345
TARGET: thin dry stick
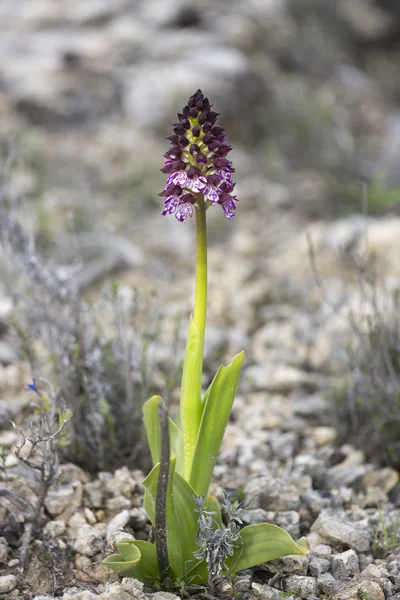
x,y
43,437
161,498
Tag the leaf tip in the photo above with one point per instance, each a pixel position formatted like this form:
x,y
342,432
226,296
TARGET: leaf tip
x,y
303,545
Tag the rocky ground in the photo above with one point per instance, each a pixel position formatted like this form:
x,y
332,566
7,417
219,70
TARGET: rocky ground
x,y
308,93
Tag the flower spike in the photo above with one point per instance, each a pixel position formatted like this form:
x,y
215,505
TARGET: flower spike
x,y
196,163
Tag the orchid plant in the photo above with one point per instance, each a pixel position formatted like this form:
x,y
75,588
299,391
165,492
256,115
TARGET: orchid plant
x,y
193,543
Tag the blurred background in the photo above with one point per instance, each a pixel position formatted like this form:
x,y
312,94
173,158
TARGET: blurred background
x,y
308,91
309,94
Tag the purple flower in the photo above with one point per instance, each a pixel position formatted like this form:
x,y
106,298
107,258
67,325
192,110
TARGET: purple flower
x,y
32,386
197,164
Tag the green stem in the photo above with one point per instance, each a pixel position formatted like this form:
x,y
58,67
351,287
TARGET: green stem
x,y
200,295
191,408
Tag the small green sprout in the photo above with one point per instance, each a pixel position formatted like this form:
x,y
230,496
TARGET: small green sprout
x,y
390,541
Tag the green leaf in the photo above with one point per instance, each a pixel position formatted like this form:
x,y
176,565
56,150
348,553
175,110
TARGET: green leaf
x,y
151,418
149,502
138,559
261,543
198,574
147,569
191,407
117,564
184,505
152,425
303,545
181,518
218,402
128,550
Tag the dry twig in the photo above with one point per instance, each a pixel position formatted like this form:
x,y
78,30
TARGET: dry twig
x,y
42,453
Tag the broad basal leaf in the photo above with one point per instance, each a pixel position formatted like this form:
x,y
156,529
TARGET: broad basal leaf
x,y
147,568
198,574
215,415
151,418
117,564
137,558
261,543
181,518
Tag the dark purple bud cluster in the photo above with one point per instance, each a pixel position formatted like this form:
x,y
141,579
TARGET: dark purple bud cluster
x,y
196,164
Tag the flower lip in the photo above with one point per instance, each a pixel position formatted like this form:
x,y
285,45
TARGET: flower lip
x,y
178,178
196,163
